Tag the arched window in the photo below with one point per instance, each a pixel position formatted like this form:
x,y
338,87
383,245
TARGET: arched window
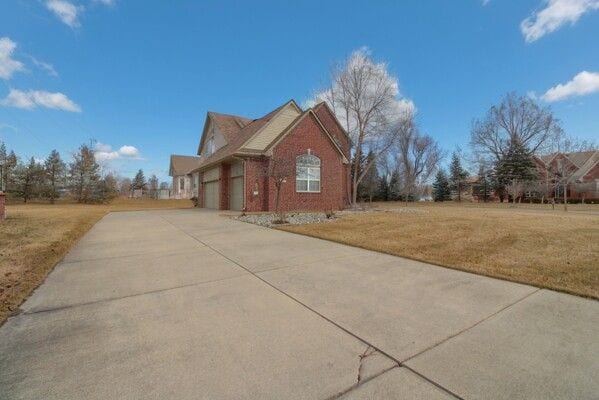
x,y
307,173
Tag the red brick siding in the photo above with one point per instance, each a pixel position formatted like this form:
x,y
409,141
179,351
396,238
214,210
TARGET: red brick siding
x,y
325,116
225,169
308,135
256,181
592,175
2,206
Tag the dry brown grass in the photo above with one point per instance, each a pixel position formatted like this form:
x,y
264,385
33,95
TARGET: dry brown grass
x,y
35,237
532,245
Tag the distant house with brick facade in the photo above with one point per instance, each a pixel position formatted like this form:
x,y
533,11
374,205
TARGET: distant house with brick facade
x,y
236,154
580,169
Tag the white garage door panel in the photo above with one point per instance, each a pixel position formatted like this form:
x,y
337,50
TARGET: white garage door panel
x,y
236,198
211,197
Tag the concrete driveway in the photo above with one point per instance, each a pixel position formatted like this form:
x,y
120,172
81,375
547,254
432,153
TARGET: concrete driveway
x,y
186,304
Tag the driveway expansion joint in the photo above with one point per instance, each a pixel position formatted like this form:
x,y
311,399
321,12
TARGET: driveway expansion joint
x,y
370,345
488,317
48,310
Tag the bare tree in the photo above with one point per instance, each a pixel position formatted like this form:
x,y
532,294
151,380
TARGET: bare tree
x,y
364,97
279,170
418,156
517,119
125,187
153,186
514,189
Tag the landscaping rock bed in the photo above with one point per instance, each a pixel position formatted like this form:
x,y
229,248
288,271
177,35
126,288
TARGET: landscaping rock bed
x,y
290,218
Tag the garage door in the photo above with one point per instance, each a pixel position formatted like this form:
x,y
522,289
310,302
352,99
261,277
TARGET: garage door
x,y
211,188
236,187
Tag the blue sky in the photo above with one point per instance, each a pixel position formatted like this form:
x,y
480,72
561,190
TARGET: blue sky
x,y
138,76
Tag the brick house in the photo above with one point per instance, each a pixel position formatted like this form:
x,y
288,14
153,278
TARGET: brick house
x,y
581,170
237,153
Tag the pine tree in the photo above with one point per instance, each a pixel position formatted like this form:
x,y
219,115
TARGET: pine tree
x,y
84,176
394,186
383,189
29,180
517,165
441,188
457,175
139,182
55,169
483,187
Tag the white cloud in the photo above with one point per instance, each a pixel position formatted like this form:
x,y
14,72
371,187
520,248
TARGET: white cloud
x,y
104,152
582,84
39,98
555,14
49,68
8,65
66,11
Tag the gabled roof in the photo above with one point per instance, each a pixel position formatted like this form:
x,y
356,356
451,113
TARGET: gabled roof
x,y
227,124
584,169
182,165
583,161
257,129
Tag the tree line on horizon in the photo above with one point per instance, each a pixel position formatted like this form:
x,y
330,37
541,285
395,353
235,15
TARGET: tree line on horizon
x,y
78,179
393,160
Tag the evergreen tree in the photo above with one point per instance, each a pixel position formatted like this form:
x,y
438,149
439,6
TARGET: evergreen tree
x,y
84,176
139,182
483,187
516,165
457,175
29,179
395,186
55,169
383,189
441,187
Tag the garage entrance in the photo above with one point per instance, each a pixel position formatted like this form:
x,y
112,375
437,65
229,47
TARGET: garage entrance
x,y
211,188
236,187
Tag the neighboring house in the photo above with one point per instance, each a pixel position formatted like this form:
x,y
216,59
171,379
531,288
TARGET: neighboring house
x,y
185,184
579,169
237,153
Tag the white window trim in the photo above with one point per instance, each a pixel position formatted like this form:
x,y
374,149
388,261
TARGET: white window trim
x,y
308,180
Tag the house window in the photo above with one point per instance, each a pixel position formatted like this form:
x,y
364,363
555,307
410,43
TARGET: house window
x,y
307,173
181,183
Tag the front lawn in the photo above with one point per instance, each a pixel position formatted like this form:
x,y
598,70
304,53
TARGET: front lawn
x,y
34,237
533,245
